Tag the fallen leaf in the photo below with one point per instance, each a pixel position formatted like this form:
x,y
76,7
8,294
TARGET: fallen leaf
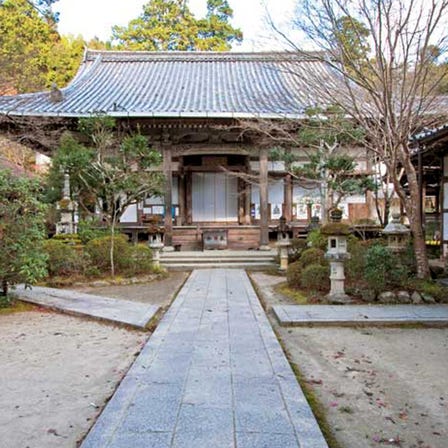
x,y
313,381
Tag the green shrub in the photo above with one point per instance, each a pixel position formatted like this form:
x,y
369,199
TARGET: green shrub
x,y
313,256
383,269
407,258
99,251
68,238
91,229
317,240
141,256
298,245
64,259
355,265
293,274
92,271
5,301
316,277
430,287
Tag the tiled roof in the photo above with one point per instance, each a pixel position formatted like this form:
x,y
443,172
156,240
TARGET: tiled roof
x,y
184,84
427,134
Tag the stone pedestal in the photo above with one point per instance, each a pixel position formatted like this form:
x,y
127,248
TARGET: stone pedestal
x,y
336,255
156,256
156,245
283,248
337,278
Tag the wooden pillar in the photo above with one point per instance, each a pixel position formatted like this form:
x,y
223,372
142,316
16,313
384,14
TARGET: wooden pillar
x,y
241,200
248,204
167,171
247,195
181,190
287,198
264,223
189,197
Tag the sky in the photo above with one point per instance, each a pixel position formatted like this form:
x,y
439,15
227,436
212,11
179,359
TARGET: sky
x,y
92,18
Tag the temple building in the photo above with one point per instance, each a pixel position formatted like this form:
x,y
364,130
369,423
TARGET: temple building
x,y
430,156
201,111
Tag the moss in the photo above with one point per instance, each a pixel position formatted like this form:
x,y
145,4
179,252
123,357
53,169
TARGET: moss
x,y
335,228
298,296
316,406
15,306
64,203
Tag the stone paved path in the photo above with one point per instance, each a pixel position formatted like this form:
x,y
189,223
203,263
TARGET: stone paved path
x,y
115,310
294,315
212,375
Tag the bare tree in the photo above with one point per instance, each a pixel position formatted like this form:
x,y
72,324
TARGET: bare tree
x,y
383,53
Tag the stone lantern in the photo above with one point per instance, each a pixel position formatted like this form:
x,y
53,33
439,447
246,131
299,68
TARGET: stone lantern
x,y
283,243
67,210
337,254
397,234
156,245
314,223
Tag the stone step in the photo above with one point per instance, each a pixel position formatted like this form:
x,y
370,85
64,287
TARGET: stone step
x,y
218,259
173,266
215,259
219,254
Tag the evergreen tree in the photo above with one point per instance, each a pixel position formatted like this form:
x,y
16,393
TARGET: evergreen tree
x,y
170,25
22,231
111,173
215,31
33,56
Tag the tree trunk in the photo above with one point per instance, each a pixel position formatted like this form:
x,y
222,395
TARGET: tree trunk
x,y
412,207
4,287
420,253
325,203
386,209
112,247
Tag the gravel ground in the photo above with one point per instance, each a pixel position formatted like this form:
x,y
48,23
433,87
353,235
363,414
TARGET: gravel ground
x,y
58,371
159,292
377,386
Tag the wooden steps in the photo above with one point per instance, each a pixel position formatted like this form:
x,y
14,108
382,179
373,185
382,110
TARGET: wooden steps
x,y
189,238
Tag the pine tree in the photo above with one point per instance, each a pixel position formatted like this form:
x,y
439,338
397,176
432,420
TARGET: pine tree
x,y
169,25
